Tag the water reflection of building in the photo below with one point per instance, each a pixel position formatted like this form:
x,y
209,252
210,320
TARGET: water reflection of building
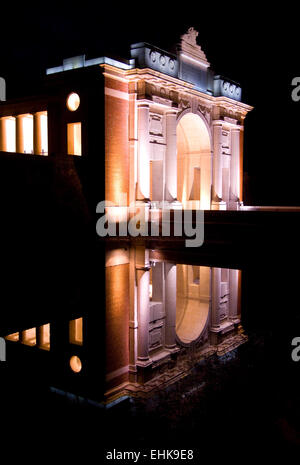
x,y
177,314
161,318
39,337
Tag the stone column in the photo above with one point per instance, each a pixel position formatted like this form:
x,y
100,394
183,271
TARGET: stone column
x,y
233,295
133,316
37,134
235,165
143,163
157,282
217,203
19,134
143,280
171,158
215,297
170,305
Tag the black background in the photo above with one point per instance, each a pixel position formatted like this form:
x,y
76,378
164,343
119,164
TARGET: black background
x,y
259,49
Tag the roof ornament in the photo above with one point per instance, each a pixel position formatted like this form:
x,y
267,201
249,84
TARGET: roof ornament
x,y
188,48
190,36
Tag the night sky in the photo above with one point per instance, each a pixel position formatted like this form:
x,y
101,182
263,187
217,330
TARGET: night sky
x,y
256,48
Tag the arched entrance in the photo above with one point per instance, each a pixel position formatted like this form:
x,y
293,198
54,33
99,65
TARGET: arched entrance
x,y
193,163
192,302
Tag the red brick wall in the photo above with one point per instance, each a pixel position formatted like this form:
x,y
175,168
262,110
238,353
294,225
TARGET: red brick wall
x,y
117,321
116,142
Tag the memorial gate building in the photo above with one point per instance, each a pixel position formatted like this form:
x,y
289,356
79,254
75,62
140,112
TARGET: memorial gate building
x,y
159,127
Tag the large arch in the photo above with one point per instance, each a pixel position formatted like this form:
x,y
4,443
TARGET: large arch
x,y
194,170
192,302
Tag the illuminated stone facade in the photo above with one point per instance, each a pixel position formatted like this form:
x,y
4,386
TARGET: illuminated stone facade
x,y
174,130
158,129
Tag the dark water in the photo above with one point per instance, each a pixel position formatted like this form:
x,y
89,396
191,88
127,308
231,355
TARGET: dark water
x,y
242,399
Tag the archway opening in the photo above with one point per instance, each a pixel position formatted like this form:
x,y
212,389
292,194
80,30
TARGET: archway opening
x,y
192,302
193,163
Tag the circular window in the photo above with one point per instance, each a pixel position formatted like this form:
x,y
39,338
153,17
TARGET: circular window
x,y
73,101
75,364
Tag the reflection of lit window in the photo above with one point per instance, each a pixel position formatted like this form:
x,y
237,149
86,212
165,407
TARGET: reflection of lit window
x,y
76,331
29,337
44,333
74,139
12,337
73,101
75,364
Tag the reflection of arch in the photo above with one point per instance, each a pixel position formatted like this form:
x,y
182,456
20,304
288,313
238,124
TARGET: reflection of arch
x,y
192,303
193,161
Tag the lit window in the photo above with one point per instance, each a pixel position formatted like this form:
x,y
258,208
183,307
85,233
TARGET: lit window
x,y
75,364
73,101
10,134
27,133
44,333
44,133
29,337
76,332
41,133
74,139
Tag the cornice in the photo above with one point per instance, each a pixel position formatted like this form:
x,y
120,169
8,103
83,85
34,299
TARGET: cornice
x,y
175,84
